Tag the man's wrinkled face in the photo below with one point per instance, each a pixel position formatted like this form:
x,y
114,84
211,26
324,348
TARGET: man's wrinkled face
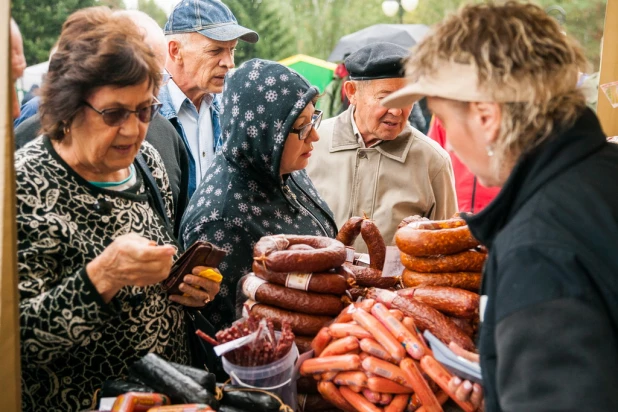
x,y
374,121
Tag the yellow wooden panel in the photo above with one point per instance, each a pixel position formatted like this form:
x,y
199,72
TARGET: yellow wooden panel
x,y
609,69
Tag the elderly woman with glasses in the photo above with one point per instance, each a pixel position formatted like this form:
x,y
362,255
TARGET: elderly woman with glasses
x,y
257,185
94,233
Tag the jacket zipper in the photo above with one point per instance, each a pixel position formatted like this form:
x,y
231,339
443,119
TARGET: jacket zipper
x,y
288,191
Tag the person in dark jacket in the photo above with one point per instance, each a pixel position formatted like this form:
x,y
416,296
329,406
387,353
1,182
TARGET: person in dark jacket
x,y
257,185
515,117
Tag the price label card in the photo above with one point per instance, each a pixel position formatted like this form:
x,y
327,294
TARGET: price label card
x,y
392,263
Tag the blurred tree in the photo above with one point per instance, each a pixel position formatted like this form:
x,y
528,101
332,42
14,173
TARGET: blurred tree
x,y
112,4
153,10
40,23
268,19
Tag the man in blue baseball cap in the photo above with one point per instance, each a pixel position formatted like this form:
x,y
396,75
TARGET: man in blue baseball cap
x,y
201,38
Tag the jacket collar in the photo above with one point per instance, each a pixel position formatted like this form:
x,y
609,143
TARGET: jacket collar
x,y
534,170
170,105
345,139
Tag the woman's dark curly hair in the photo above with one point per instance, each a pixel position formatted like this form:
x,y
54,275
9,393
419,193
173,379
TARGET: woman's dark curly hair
x,y
97,48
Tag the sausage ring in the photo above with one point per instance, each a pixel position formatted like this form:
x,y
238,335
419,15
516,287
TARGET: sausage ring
x,y
416,239
270,251
350,230
332,282
463,280
466,261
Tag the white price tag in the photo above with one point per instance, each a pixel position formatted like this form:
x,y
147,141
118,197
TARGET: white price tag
x,y
363,260
392,262
251,285
349,257
298,281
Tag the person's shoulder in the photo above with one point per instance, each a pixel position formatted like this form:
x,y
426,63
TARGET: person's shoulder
x,y
421,142
27,131
35,150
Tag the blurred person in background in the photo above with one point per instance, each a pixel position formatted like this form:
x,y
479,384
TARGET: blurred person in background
x,y
18,63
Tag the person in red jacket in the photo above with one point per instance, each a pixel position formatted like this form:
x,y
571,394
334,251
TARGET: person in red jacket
x,y
471,195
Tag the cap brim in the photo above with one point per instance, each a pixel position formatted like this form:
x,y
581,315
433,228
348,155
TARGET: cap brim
x,y
405,97
231,32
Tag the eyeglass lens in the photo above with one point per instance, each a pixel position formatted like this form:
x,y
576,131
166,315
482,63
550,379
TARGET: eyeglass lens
x,y
316,119
115,117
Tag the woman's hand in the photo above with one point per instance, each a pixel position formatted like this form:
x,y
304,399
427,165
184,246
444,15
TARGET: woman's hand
x,y
197,290
130,260
466,390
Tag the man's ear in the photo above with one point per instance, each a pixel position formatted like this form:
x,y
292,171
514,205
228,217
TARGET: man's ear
x,y
174,51
487,118
350,91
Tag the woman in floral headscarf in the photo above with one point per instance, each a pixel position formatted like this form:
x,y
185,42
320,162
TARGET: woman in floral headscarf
x,y
256,185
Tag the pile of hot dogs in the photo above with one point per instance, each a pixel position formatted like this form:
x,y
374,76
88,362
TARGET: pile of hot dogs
x,y
373,359
298,280
439,253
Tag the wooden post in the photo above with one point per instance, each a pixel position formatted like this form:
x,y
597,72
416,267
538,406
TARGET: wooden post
x,y
609,69
10,400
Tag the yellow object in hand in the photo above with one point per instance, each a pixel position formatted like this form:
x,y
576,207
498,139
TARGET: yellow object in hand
x,y
211,274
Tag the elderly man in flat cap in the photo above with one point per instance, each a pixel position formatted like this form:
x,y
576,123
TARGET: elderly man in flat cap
x,y
202,36
370,160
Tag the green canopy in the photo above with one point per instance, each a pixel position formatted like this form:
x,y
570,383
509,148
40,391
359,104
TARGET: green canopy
x,y
318,72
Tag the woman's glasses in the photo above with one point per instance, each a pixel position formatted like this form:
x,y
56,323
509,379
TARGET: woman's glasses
x,y
303,131
116,117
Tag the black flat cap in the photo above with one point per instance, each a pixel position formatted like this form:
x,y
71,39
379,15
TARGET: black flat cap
x,y
380,60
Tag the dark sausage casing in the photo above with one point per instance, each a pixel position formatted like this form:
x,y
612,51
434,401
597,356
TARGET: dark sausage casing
x,y
375,244
428,242
350,230
466,261
368,277
333,282
463,280
450,301
301,323
261,291
272,253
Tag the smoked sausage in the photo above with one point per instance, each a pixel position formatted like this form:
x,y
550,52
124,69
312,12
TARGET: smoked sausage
x,y
330,392
368,277
261,291
350,230
450,301
272,253
301,323
428,242
375,244
463,280
332,282
441,376
466,261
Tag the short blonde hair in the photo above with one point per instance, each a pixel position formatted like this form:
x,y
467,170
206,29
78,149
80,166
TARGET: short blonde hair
x,y
511,44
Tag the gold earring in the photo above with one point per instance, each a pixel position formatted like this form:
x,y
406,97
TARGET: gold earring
x,y
66,129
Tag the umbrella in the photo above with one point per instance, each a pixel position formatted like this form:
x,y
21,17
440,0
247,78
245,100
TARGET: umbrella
x,y
406,35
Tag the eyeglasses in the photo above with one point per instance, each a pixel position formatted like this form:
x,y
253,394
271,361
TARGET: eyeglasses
x,y
165,78
116,117
303,131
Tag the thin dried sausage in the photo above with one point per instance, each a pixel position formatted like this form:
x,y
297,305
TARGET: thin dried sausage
x,y
466,261
369,277
272,253
463,280
350,230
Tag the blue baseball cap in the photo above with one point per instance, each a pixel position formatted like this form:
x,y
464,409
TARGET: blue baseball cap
x,y
210,18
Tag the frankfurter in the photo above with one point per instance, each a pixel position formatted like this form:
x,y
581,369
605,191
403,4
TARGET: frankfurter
x,y
420,386
351,378
399,331
428,242
384,385
427,317
302,323
330,364
385,369
380,334
398,404
270,251
333,281
346,315
373,348
466,261
321,341
441,376
291,299
375,244
330,392
441,396
463,280
386,399
371,396
359,402
341,330
450,301
340,347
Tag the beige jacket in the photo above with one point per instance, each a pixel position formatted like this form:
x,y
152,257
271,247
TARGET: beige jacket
x,y
411,175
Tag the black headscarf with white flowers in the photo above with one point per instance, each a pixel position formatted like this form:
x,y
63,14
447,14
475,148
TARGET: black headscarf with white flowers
x,y
243,197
